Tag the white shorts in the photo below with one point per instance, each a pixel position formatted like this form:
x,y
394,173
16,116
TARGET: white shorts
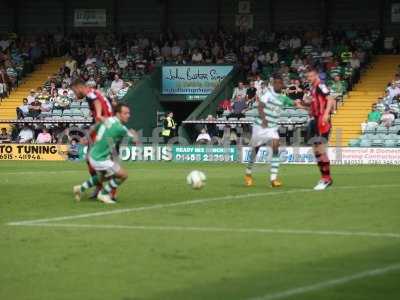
x,y
108,166
262,136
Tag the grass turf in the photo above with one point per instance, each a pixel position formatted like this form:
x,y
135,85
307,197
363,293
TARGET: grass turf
x,y
145,258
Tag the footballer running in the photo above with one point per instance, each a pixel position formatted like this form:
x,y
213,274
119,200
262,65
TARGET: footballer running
x,y
108,172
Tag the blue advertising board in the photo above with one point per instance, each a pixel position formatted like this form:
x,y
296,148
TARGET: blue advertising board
x,y
192,80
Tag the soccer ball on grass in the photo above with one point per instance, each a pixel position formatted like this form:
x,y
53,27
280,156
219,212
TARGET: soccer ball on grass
x,y
196,179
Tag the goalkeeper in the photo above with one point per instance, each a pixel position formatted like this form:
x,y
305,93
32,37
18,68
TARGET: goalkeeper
x,y
108,171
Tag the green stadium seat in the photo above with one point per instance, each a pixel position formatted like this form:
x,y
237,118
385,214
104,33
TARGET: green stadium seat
x,y
354,143
57,112
390,143
365,143
377,143
75,105
67,113
370,129
394,129
381,130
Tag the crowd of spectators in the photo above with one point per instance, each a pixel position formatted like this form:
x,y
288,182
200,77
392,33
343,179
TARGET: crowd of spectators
x,y
386,109
17,58
112,63
339,57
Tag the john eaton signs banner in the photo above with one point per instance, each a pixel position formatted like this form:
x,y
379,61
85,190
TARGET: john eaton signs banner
x,y
192,80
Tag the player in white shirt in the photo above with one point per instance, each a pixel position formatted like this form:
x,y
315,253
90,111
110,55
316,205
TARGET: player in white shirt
x,y
265,129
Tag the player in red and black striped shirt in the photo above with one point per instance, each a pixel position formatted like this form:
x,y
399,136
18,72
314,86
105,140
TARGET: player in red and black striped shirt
x,y
100,108
321,107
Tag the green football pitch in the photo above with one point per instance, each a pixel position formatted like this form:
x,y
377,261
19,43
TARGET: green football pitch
x,y
164,240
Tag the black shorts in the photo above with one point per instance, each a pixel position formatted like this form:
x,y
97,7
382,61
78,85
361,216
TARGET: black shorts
x,y
314,136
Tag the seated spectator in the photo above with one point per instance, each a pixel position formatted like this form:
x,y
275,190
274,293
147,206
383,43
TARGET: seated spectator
x,y
239,92
116,84
224,105
4,136
44,137
258,82
122,92
387,118
25,135
197,57
337,87
63,102
47,106
203,137
297,62
73,150
262,90
239,107
295,91
251,93
32,96
23,110
35,108
374,117
393,90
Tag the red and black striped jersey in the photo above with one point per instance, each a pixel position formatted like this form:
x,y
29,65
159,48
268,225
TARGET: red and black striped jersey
x,y
106,107
319,93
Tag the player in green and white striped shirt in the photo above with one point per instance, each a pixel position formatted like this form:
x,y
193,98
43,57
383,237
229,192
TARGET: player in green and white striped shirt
x,y
108,172
265,129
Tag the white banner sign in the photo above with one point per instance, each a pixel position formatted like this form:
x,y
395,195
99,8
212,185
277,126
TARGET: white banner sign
x,y
90,18
395,12
338,156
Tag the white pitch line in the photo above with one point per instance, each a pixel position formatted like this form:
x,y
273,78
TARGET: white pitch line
x,y
188,202
329,283
221,229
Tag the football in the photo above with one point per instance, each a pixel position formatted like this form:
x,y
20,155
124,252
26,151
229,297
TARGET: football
x,y
196,179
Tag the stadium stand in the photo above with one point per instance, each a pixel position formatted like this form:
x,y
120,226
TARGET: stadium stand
x,y
353,113
382,127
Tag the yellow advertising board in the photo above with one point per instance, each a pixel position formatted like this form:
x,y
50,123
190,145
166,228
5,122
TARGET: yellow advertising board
x,y
33,152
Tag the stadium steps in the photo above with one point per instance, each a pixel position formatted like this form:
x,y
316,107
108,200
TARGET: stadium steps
x,y
31,81
347,121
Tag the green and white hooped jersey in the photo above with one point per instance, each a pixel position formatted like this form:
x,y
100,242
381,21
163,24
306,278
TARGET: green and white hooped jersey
x,y
274,104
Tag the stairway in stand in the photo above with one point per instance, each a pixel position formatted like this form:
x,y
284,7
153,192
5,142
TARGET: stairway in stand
x,y
31,81
347,121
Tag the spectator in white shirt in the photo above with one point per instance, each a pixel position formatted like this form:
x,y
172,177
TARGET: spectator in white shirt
x,y
116,84
25,135
90,60
258,82
393,91
295,43
122,62
71,65
44,137
296,62
239,92
31,97
23,110
197,57
203,137
355,62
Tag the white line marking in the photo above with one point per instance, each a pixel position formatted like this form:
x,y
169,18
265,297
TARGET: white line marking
x,y
185,203
219,229
329,283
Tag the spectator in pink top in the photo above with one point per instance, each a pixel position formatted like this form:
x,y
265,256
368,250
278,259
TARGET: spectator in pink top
x,y
44,137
